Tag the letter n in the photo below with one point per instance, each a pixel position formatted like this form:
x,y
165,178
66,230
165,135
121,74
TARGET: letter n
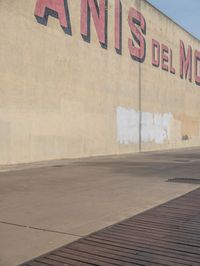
x,y
185,62
56,8
99,15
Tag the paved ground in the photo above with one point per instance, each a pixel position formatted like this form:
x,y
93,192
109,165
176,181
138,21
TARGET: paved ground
x,y
167,235
45,206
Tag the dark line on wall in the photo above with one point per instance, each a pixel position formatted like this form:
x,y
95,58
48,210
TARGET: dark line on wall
x,y
140,99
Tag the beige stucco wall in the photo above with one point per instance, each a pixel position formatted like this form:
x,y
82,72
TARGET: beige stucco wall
x,y
60,96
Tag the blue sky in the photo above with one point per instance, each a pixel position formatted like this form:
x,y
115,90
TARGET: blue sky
x,y
185,12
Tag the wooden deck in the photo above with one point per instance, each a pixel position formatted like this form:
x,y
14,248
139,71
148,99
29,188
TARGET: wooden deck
x,y
166,235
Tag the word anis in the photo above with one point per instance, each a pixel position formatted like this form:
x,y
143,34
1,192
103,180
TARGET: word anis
x,y
161,55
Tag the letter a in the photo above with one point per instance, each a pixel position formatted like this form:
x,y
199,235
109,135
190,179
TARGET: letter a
x,y
57,6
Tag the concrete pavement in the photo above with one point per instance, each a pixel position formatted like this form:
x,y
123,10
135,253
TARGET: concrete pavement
x,y
46,205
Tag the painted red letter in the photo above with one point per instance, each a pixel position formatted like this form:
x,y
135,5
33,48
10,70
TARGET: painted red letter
x,y
136,18
164,57
155,47
118,29
99,18
197,67
172,69
185,62
57,6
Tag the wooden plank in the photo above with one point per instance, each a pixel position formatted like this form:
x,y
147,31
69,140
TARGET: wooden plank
x,y
168,235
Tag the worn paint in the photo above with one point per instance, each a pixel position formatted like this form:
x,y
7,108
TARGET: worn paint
x,y
99,17
185,62
58,6
97,10
136,18
60,89
155,127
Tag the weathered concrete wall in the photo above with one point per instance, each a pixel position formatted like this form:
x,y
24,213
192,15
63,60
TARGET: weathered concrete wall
x,y
63,97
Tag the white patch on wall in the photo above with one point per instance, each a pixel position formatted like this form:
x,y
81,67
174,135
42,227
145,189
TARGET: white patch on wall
x,y
155,127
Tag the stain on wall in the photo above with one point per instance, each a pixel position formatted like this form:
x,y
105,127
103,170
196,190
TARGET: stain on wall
x,y
155,127
62,97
